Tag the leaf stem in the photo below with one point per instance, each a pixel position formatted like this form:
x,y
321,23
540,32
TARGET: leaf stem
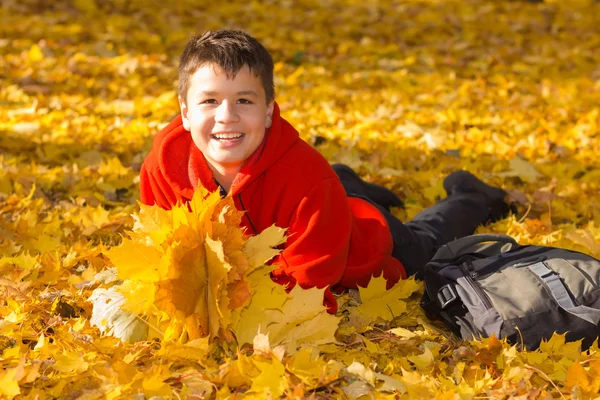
x,y
539,371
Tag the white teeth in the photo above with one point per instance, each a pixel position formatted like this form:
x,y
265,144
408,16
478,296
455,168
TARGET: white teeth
x,y
228,135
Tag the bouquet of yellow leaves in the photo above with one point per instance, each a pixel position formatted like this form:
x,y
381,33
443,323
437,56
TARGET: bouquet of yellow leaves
x,y
183,271
191,273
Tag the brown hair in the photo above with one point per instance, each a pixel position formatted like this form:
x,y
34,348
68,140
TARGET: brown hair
x,y
230,50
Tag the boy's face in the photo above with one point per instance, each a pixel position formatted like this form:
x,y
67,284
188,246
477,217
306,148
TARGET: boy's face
x,y
226,117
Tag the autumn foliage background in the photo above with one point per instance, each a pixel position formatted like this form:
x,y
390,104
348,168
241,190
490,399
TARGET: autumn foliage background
x,y
404,92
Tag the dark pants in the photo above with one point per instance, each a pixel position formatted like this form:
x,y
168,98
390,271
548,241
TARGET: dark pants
x,y
416,242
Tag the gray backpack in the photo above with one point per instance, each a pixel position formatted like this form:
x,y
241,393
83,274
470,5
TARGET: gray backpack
x,y
483,285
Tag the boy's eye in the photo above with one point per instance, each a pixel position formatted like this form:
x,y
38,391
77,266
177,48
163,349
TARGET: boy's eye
x,y
209,101
244,101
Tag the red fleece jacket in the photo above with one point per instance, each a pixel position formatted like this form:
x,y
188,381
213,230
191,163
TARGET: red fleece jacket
x,y
332,239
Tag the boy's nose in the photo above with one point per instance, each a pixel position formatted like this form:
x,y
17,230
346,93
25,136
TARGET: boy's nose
x,y
226,113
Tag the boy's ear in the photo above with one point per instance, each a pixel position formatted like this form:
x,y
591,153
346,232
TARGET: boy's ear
x,y
269,120
271,107
184,113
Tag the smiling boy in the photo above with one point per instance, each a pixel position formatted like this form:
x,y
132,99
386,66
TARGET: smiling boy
x,y
231,137
226,117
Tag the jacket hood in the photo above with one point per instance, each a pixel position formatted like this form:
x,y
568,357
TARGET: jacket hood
x,y
183,164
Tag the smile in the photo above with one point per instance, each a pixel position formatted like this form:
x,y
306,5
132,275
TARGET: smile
x,y
227,136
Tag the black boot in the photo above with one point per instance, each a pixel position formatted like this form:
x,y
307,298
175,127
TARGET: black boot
x,y
354,185
465,182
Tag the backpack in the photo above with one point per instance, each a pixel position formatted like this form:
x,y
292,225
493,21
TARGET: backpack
x,y
483,285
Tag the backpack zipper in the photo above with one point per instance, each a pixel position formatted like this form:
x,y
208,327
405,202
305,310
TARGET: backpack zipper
x,y
503,260
475,286
459,259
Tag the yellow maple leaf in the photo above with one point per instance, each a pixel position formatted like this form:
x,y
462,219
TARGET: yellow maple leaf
x,y
391,384
186,293
239,372
558,347
586,239
70,362
23,260
272,381
9,385
422,361
290,319
139,296
316,330
232,240
306,366
153,381
138,261
218,301
404,333
261,248
577,376
418,386
519,166
35,54
377,302
266,296
42,243
154,222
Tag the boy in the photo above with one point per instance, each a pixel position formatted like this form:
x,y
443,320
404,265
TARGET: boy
x,y
231,137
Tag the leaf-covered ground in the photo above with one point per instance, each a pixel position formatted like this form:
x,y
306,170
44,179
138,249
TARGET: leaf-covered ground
x,y
404,92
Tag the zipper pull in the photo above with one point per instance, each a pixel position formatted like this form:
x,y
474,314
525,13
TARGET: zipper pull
x,y
471,269
470,266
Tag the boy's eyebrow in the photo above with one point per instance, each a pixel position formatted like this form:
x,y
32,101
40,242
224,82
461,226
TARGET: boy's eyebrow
x,y
247,92
242,93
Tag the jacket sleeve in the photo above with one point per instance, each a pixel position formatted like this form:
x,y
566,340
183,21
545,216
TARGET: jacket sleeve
x,y
154,189
316,251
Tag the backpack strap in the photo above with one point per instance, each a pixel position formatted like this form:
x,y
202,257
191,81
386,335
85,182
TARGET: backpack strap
x,y
469,244
559,292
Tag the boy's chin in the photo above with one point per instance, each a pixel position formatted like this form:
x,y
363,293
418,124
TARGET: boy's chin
x,y
225,163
